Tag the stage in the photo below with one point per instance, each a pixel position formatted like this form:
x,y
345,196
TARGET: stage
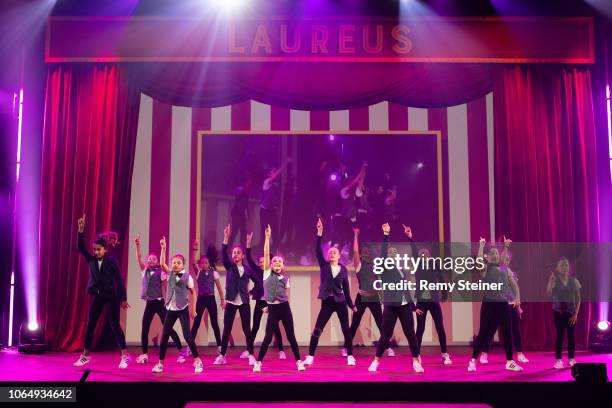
x,y
328,367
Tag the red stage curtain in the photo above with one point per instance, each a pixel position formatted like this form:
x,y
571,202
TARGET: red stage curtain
x,y
311,86
88,152
545,171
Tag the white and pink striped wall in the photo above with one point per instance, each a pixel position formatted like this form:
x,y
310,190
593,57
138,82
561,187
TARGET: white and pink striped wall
x,y
164,188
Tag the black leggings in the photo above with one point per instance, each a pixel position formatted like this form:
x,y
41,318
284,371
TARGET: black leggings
x,y
280,312
228,322
155,307
328,307
95,309
206,303
389,318
257,314
492,315
361,306
171,317
516,332
436,314
563,325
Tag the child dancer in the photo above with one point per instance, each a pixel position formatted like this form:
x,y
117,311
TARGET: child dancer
x,y
565,292
153,278
515,313
335,295
257,293
105,287
207,278
367,297
398,305
275,287
179,296
428,301
494,310
237,294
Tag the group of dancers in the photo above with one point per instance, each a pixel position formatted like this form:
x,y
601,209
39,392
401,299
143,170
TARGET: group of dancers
x,y
170,292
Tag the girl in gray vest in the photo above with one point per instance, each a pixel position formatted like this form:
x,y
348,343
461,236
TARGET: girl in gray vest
x,y
180,293
275,286
153,278
565,292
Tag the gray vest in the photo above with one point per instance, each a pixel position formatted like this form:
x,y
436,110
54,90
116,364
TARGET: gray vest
x,y
275,289
206,283
496,275
178,289
564,296
151,285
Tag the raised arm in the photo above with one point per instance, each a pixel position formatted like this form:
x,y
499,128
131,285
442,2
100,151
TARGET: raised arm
x,y
266,256
249,254
359,177
141,263
385,245
356,258
194,258
278,171
162,255
81,240
319,251
413,247
481,245
227,264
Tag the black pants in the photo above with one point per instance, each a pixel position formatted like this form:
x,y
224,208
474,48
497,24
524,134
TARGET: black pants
x,y
279,313
155,307
563,325
516,332
228,322
492,315
95,309
206,303
267,217
375,309
257,314
390,316
328,307
436,314
171,317
239,224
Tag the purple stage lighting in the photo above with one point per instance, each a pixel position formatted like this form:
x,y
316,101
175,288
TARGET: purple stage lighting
x,y
332,138
603,325
333,177
420,165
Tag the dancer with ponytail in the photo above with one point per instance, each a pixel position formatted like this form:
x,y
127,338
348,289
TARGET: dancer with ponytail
x,y
275,286
105,287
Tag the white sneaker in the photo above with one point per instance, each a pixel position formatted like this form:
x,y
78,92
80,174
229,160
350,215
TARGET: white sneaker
x,y
344,353
300,365
219,350
83,359
572,361
446,359
245,354
282,355
252,360
420,361
350,360
417,367
512,366
142,359
159,367
484,358
390,352
373,366
472,365
558,364
180,359
521,358
220,360
125,360
257,367
198,366
308,360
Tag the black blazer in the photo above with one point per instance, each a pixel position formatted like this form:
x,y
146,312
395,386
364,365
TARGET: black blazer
x,y
106,280
434,275
234,284
338,286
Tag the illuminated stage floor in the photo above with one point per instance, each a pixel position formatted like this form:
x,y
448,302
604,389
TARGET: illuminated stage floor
x,y
328,367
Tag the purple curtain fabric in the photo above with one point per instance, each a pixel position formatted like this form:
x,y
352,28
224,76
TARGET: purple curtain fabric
x,y
314,86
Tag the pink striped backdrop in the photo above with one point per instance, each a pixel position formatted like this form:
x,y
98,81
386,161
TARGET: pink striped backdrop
x,y
164,188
